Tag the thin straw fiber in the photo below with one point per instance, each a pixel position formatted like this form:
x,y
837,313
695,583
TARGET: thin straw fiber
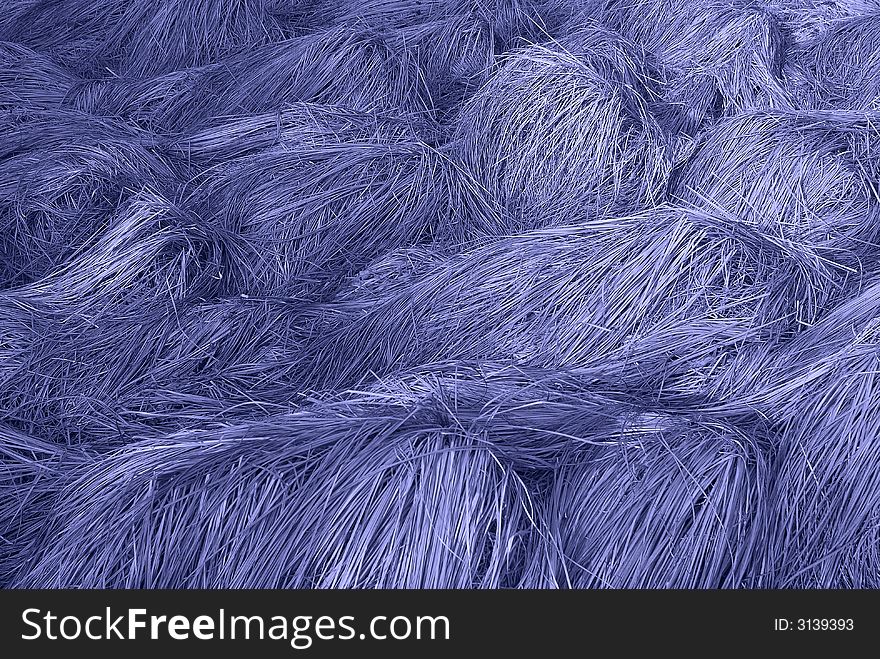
x,y
439,294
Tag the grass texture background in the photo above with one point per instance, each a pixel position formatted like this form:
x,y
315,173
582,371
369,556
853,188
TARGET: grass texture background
x,y
438,293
